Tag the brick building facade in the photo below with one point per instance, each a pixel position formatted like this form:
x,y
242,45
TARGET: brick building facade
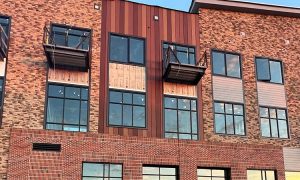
x,y
130,48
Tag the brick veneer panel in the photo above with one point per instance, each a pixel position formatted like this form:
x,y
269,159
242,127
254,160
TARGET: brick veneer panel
x,y
26,70
252,35
132,152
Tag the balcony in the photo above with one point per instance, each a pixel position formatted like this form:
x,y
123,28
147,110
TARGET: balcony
x,y
177,72
3,44
67,47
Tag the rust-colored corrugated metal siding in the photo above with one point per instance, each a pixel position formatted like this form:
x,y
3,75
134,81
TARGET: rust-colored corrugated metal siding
x,y
134,19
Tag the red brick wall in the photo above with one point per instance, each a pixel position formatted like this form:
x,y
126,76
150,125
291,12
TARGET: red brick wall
x,y
132,152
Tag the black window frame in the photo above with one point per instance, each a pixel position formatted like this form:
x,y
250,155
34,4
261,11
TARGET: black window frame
x,y
226,172
175,51
63,98
9,24
269,70
225,63
104,164
162,166
265,173
132,92
177,109
84,30
128,37
277,119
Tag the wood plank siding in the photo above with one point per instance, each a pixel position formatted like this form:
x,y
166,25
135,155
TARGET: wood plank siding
x,y
277,98
291,159
137,20
228,89
68,76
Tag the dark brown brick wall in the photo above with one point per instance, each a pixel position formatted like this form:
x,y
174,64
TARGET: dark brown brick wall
x,y
132,152
264,36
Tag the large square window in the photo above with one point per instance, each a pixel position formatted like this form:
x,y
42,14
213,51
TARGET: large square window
x,y
261,175
268,70
67,108
127,108
226,64
180,117
100,171
273,122
229,118
184,54
160,173
125,49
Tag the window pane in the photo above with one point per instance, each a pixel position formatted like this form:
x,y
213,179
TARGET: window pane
x,y
118,48
263,69
115,114
127,98
92,169
167,171
127,115
192,59
204,172
72,92
239,125
220,123
55,110
171,135
228,108
71,111
54,126
148,177
270,175
283,131
233,65
272,113
83,113
194,105
185,136
183,57
184,121
170,102
84,93
139,99
265,127
115,96
238,110
115,170
56,91
184,104
194,123
292,175
218,63
281,114
274,128
276,75
216,172
170,120
264,112
229,124
73,41
219,107
254,175
70,128
150,170
137,51
139,116
59,39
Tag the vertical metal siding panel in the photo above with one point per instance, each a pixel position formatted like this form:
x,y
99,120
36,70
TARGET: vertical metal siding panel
x,y
112,15
135,19
271,94
122,17
165,25
228,89
144,22
170,28
193,29
173,25
117,19
291,159
126,23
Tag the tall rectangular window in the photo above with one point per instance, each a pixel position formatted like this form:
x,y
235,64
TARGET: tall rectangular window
x,y
127,108
160,173
185,54
127,49
100,171
268,70
180,116
67,107
273,122
226,64
261,175
212,174
229,118
71,37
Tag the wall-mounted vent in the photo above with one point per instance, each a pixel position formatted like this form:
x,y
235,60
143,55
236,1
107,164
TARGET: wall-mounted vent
x,y
46,147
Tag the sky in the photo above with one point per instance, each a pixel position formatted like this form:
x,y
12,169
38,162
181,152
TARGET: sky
x,y
184,5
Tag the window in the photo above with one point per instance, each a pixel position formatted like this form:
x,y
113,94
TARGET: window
x,y
229,118
180,115
160,173
268,70
71,37
127,49
273,122
4,22
67,108
185,54
292,175
260,175
226,64
127,108
101,171
212,174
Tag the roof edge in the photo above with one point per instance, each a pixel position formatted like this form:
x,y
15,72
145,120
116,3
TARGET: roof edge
x,y
242,6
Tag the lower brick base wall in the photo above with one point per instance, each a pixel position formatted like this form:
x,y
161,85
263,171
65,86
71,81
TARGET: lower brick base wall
x,y
132,152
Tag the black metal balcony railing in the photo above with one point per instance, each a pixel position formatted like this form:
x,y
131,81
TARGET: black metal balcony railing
x,y
3,44
60,54
177,72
